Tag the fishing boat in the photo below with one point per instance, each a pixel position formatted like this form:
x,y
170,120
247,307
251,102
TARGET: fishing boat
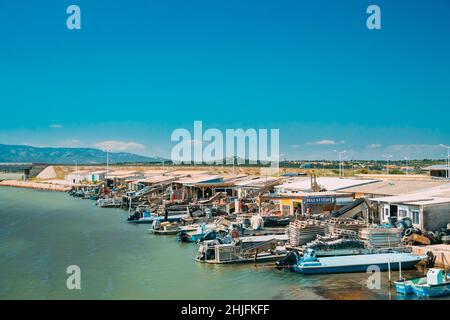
x,y
405,286
164,228
148,217
246,231
77,193
437,284
242,250
275,221
91,194
310,264
198,233
109,203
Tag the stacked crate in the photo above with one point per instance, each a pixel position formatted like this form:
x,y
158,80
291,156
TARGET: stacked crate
x,y
345,227
302,232
381,237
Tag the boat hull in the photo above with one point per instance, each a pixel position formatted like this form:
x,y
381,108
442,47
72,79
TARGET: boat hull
x,y
406,286
164,232
190,237
432,291
354,268
141,221
150,220
259,259
403,287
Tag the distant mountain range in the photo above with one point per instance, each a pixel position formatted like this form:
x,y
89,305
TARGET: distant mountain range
x,y
22,153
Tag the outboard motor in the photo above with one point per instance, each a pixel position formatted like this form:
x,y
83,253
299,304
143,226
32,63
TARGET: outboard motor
x,y
182,236
156,225
288,261
134,216
431,259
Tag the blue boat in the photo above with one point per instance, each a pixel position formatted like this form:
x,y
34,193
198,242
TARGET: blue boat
x,y
193,236
148,217
310,264
405,286
437,285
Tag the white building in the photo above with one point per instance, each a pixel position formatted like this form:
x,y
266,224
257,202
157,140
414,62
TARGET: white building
x,y
300,185
86,176
429,209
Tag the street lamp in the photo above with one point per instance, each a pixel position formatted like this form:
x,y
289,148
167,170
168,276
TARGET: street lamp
x,y
406,164
107,161
448,159
281,156
340,153
387,158
343,166
76,171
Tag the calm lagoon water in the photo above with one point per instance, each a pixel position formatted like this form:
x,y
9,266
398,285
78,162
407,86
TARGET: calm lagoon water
x,y
42,233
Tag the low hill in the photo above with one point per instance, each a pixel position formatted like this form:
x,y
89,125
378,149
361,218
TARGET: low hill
x,y
22,153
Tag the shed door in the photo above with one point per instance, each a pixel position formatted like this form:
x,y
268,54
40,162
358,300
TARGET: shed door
x,y
386,212
394,211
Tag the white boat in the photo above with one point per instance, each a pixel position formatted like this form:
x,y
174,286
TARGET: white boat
x,y
310,264
241,250
109,203
258,239
164,228
437,284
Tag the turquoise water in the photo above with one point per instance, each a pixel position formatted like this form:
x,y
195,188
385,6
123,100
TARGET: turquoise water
x,y
42,233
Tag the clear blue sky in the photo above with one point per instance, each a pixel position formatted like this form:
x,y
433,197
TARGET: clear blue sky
x,y
139,69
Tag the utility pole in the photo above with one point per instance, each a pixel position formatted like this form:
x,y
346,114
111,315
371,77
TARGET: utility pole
x,y
107,162
340,153
406,164
76,171
387,158
448,159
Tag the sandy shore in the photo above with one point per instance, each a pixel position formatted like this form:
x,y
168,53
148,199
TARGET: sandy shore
x,y
35,185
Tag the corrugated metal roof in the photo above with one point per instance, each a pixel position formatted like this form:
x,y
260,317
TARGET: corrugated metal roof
x,y
328,183
428,196
436,167
157,179
255,181
394,187
199,179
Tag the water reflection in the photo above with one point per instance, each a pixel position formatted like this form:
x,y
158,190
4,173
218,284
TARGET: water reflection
x,y
41,233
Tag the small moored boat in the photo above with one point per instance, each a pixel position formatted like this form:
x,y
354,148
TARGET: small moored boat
x,y
109,203
405,286
164,228
310,264
198,233
148,217
437,284
240,250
